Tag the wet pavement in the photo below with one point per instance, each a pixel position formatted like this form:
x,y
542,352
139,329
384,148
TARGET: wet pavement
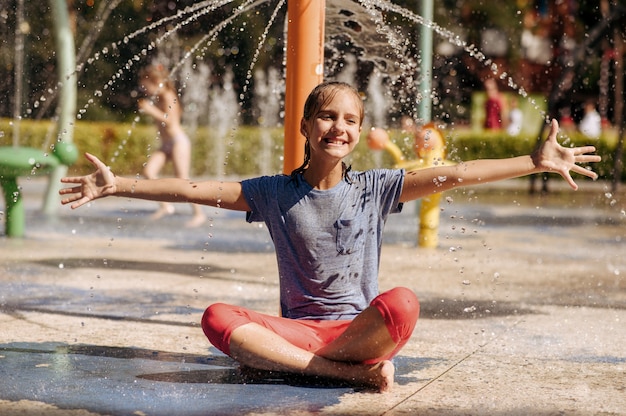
x,y
523,310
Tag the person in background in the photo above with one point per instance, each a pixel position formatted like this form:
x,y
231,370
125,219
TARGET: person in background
x,y
566,121
591,123
516,118
163,105
493,106
326,222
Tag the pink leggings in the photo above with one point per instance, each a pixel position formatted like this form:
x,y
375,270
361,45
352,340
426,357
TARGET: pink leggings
x,y
399,308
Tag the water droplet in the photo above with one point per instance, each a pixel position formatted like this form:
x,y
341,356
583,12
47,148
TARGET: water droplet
x,y
470,309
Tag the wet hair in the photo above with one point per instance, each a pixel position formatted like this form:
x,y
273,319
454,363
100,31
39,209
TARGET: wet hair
x,y
157,73
321,95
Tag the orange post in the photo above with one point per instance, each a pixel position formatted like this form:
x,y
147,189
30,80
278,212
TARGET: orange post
x,y
305,69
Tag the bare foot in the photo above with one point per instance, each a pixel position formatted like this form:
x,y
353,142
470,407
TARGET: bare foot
x,y
196,221
164,211
382,376
378,376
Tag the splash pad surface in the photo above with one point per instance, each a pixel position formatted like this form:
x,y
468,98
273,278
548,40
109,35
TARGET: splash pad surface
x,y
525,297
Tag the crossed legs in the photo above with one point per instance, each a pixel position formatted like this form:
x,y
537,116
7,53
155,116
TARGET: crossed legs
x,y
356,351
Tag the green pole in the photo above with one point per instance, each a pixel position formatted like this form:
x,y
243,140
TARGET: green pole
x,y
429,207
426,65
66,72
19,71
15,216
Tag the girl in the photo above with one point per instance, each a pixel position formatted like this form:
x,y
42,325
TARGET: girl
x,y
164,107
326,223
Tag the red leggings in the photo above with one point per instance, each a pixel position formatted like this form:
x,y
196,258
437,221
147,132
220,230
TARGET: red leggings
x,y
399,308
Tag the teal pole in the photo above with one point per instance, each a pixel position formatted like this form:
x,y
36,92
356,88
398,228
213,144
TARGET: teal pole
x,y
426,66
66,72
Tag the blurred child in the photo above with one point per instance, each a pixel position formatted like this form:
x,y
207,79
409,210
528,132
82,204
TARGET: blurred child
x,y
163,105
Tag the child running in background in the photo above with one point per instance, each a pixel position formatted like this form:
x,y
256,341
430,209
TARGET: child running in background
x,y
164,107
326,223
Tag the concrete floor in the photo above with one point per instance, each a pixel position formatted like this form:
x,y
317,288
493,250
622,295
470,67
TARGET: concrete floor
x,y
523,311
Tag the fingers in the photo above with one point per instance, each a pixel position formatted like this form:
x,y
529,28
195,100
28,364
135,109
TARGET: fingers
x,y
580,170
570,181
554,129
587,158
74,193
74,198
584,150
67,200
77,200
71,179
95,161
79,203
585,172
79,195
582,154
72,190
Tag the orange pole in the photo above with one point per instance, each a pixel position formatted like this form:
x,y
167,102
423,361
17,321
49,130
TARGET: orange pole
x,y
305,69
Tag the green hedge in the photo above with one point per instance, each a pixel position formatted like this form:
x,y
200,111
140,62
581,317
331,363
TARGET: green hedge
x,y
126,147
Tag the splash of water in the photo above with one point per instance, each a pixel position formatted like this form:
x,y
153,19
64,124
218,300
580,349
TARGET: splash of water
x,y
223,117
472,50
190,14
261,42
267,97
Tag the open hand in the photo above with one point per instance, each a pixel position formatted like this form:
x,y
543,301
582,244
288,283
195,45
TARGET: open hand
x,y
89,187
552,157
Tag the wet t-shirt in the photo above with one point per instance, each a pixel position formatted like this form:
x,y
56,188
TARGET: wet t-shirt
x,y
327,243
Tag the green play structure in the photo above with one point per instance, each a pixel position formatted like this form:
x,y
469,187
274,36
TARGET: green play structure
x,y
16,161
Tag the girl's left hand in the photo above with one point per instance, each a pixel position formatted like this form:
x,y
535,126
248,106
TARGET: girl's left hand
x,y
552,157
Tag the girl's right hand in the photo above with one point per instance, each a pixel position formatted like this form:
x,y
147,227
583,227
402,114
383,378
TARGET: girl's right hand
x,y
96,185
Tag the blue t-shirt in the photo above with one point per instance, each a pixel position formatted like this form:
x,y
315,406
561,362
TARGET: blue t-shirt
x,y
327,242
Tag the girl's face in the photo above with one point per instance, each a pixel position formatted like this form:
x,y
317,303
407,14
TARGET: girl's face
x,y
334,130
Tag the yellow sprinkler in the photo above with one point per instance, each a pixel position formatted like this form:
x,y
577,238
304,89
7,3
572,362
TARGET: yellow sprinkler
x,y
429,147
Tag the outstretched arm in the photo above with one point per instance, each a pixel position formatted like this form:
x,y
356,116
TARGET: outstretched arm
x,y
102,182
549,157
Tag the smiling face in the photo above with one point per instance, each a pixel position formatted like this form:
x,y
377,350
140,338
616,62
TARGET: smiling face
x,y
332,123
